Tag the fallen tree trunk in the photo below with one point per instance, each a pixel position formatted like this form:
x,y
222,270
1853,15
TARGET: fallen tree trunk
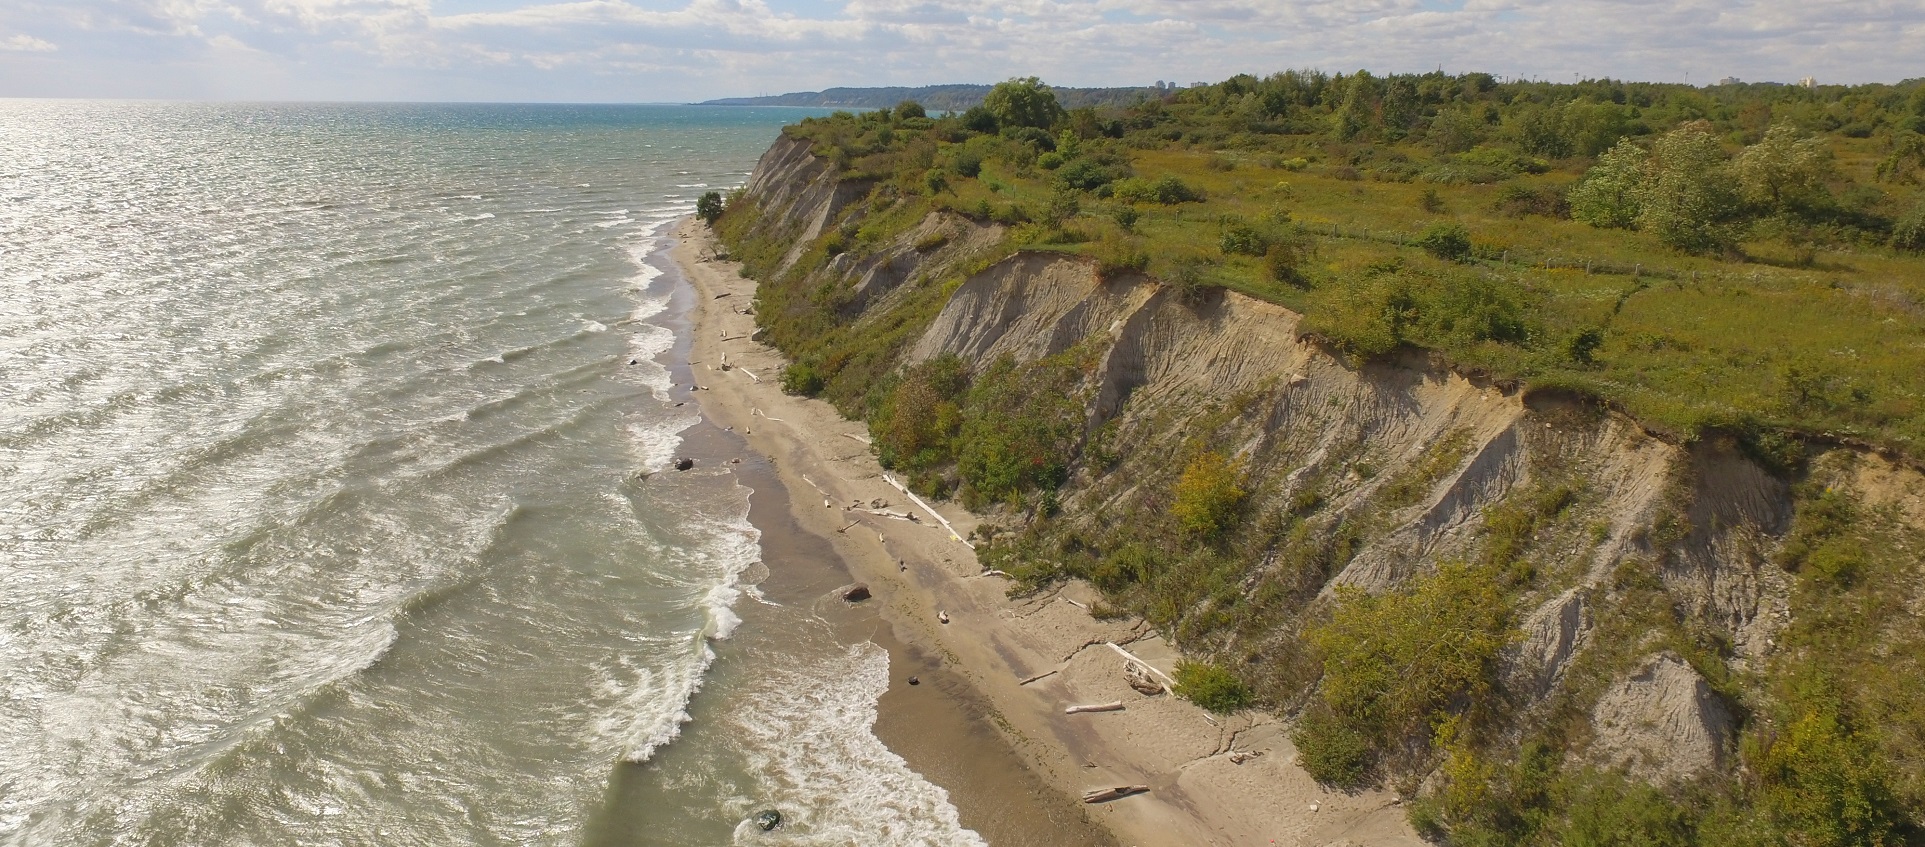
x,y
1094,707
1104,795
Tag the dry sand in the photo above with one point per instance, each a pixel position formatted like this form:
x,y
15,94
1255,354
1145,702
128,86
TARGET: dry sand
x,y
1222,780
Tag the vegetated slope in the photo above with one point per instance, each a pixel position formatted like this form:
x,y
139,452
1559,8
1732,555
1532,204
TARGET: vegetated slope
x,y
1552,621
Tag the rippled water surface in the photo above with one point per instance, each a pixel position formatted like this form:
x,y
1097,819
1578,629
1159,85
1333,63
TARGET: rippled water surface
x,y
319,521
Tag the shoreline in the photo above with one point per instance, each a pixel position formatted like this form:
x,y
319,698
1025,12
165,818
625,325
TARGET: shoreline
x,y
1010,666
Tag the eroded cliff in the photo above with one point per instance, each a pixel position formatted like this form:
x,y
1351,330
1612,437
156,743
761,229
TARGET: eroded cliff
x,y
1640,591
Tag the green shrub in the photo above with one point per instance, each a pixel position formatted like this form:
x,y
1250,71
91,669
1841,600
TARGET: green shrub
x,y
1084,174
801,378
1909,232
1167,190
1394,663
916,425
1212,687
1209,494
1607,810
1242,238
967,163
1430,201
1019,430
1449,241
1826,787
1332,751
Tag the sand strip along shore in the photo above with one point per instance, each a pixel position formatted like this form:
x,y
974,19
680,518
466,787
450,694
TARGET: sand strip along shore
x,y
1224,780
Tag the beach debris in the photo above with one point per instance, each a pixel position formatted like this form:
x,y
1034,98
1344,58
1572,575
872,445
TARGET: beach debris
x,y
1043,675
684,463
1141,680
1167,680
862,438
723,294
634,361
942,616
1115,706
854,592
1104,795
915,680
926,507
749,373
1313,807
767,819
1241,756
845,527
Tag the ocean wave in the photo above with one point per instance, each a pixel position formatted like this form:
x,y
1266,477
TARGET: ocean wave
x,y
812,734
652,700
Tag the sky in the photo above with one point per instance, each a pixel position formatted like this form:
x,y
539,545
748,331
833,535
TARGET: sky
x,y
690,50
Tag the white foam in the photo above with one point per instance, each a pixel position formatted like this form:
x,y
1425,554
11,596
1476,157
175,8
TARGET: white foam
x,y
653,702
811,734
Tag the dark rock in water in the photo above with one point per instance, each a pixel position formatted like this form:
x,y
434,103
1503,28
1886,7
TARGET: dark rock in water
x,y
684,464
767,819
854,592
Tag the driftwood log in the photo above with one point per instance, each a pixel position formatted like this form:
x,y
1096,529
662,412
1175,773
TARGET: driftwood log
x,y
1104,795
1093,707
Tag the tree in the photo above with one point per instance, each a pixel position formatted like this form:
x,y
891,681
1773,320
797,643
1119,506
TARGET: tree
x,y
709,207
910,109
1358,114
1686,198
1023,101
1784,172
1608,195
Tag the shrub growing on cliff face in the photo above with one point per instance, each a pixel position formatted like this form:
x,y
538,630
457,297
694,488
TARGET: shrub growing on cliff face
x,y
1394,663
1209,494
1211,686
801,378
1019,429
916,427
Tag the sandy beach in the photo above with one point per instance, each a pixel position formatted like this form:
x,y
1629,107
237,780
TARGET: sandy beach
x,y
997,676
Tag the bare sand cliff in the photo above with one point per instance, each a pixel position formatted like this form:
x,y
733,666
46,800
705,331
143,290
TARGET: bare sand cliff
x,y
1212,779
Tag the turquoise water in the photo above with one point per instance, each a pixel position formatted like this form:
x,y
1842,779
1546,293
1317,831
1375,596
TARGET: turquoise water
x,y
322,522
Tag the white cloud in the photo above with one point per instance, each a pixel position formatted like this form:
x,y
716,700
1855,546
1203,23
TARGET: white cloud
x,y
23,43
606,49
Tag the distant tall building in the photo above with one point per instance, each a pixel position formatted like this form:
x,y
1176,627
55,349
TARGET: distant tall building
x,y
1730,80
1807,82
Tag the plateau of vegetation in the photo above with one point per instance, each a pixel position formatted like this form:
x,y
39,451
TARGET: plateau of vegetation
x,y
1738,265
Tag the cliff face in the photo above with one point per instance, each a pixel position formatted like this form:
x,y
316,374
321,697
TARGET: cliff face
x,y
1404,465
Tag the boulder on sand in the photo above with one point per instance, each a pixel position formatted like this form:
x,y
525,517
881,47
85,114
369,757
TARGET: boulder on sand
x,y
854,592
